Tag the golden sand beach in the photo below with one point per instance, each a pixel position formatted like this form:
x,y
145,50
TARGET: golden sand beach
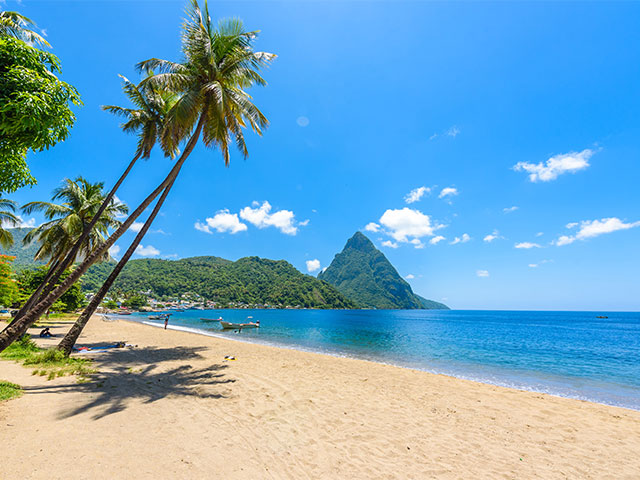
x,y
173,407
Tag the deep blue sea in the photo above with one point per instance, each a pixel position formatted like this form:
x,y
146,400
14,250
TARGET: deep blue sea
x,y
571,354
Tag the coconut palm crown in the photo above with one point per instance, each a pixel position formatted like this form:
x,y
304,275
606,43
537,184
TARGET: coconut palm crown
x,y
218,65
67,220
7,219
13,24
149,117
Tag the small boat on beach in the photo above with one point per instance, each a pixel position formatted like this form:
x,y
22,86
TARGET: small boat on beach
x,y
159,317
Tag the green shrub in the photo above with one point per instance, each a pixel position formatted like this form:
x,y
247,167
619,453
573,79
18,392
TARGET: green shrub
x,y
51,363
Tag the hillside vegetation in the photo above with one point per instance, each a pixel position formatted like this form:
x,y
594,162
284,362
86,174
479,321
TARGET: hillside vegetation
x,y
250,280
24,254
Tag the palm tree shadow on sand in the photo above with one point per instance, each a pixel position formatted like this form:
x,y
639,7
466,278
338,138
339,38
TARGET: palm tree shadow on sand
x,y
139,375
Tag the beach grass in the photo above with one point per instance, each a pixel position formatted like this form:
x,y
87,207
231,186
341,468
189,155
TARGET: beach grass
x,y
51,363
9,390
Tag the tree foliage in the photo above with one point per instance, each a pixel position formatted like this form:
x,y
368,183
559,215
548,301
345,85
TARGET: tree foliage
x,y
29,280
8,287
135,301
219,64
66,221
35,111
13,24
250,280
7,218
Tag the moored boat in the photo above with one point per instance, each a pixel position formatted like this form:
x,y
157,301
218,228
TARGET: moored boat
x,y
238,326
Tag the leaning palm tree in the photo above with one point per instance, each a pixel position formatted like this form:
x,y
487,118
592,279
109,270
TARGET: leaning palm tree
x,y
13,24
79,202
147,120
223,65
7,219
218,65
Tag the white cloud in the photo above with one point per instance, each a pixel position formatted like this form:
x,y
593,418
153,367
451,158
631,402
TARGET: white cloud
x,y
482,273
222,221
452,132
539,234
302,121
136,226
203,227
406,222
114,250
148,251
410,277
22,223
526,245
416,194
304,223
390,244
571,162
463,239
510,209
542,262
564,240
417,243
435,240
372,227
448,192
313,265
572,225
594,228
495,235
262,217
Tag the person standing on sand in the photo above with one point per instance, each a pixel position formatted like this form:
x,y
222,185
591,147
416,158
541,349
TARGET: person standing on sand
x,y
166,321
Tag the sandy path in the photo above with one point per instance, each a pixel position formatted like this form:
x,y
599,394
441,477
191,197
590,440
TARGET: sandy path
x,y
173,408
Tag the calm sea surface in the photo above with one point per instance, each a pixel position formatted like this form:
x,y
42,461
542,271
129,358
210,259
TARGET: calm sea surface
x,y
571,354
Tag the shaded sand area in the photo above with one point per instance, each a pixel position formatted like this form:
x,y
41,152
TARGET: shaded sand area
x,y
174,408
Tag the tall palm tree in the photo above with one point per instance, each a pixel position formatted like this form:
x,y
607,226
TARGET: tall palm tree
x,y
7,219
13,24
218,65
147,120
80,201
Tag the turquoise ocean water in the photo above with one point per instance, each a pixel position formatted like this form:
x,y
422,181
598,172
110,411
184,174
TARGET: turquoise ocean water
x,y
570,354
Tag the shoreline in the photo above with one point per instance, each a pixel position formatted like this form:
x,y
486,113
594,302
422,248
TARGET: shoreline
x,y
175,407
433,371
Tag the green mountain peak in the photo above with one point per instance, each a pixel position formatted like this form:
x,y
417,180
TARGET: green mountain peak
x,y
362,273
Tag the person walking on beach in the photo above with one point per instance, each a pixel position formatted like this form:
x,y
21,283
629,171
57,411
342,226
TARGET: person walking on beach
x,y
166,321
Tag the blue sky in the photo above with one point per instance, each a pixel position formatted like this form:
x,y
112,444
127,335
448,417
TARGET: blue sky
x,y
487,106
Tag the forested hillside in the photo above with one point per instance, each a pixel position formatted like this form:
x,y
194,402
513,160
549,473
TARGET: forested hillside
x,y
250,280
24,254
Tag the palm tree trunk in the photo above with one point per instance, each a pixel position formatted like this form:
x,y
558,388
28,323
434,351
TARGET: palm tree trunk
x,y
13,332
70,339
57,269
